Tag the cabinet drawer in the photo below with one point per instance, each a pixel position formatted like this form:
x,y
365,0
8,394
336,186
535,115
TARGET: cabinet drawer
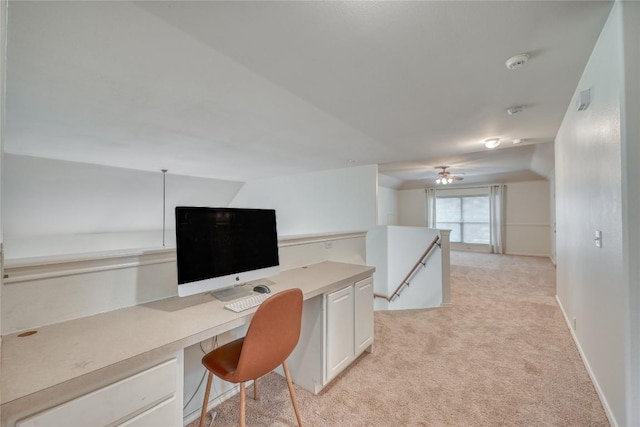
x,y
159,415
115,403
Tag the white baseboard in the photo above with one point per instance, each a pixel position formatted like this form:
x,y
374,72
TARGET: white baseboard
x,y
525,254
585,361
470,247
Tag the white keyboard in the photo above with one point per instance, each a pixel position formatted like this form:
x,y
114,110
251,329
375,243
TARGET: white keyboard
x,y
247,303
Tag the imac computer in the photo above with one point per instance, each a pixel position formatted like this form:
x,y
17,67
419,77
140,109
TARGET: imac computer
x,y
218,248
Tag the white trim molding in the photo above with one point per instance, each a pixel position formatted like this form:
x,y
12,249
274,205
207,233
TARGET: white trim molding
x,y
16,271
38,268
522,224
284,241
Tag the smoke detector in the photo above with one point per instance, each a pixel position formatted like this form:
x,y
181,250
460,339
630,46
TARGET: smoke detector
x,y
517,61
515,109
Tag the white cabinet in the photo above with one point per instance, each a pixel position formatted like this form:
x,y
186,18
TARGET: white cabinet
x,y
349,325
363,303
150,398
340,331
336,328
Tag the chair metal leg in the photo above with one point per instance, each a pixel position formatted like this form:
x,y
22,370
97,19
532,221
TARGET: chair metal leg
x,y
243,404
292,392
255,389
203,414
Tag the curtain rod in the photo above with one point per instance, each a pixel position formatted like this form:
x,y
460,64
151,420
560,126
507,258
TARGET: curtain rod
x,y
462,188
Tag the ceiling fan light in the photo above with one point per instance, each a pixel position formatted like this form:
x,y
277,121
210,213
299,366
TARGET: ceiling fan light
x,y
449,180
492,142
437,180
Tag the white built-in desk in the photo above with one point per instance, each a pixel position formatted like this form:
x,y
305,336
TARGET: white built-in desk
x,y
70,359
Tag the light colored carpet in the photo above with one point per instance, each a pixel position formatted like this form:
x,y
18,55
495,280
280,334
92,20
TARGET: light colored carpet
x,y
501,356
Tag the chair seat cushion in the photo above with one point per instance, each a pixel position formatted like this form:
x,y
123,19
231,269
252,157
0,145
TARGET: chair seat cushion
x,y
223,361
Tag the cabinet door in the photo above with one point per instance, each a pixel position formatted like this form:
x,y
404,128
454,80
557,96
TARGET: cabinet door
x,y
363,314
340,332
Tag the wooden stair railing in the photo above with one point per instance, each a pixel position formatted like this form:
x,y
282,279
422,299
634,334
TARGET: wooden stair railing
x,y
405,281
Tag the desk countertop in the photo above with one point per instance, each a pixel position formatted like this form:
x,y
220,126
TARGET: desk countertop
x,y
65,351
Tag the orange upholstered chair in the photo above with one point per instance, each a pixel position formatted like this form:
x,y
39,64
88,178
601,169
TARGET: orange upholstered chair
x,y
272,335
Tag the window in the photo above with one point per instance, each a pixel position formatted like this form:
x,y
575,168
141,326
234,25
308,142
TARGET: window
x,y
467,217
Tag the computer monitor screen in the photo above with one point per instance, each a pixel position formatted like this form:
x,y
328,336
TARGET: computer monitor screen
x,y
220,247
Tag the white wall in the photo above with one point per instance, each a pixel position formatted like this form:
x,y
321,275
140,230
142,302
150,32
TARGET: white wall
x,y
412,208
387,206
393,251
317,202
64,291
593,284
631,201
527,218
552,216
348,247
3,44
84,286
527,215
52,207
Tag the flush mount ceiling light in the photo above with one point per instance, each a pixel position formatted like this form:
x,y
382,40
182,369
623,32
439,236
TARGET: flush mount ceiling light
x,y
492,142
518,141
516,61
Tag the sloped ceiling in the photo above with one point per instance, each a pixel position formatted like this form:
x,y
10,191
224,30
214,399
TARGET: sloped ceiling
x,y
246,90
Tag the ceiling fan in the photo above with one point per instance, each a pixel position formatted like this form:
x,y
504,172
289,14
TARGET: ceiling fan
x,y
446,177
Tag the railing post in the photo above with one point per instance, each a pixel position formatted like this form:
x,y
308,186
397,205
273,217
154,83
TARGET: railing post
x,y
446,267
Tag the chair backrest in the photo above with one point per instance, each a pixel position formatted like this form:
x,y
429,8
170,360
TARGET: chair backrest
x,y
273,334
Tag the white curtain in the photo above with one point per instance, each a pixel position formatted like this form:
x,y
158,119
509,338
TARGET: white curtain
x,y
431,207
496,217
